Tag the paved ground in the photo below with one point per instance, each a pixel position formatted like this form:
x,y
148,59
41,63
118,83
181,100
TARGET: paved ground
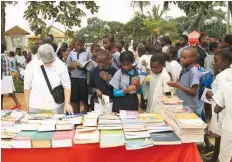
x,y
8,102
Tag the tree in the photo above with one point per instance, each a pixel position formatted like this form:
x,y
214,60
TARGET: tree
x,y
197,12
3,17
95,29
136,27
140,4
193,6
67,13
157,12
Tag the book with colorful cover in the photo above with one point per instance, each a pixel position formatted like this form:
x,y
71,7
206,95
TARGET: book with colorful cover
x,y
140,143
170,100
112,138
62,138
186,116
165,138
23,139
151,118
127,114
42,140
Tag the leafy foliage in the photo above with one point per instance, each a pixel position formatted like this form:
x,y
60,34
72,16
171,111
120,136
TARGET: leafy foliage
x,y
195,21
140,4
194,6
67,13
96,29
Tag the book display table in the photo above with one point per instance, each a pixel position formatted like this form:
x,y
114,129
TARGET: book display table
x,y
93,153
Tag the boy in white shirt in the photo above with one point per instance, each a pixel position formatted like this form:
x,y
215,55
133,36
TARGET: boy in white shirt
x,y
144,66
222,98
158,84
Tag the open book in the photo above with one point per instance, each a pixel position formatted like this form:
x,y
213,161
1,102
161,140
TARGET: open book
x,y
83,64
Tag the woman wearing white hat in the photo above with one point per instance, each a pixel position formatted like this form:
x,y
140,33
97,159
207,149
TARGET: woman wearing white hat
x,y
38,95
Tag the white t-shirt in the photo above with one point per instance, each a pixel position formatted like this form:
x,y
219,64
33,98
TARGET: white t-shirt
x,y
174,68
223,98
158,87
20,60
146,58
40,96
165,48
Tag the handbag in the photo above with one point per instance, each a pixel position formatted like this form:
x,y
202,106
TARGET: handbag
x,y
57,92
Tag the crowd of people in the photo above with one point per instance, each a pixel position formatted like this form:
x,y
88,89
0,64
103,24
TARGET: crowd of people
x,y
114,71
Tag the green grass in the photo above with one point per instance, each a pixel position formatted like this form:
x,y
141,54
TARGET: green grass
x,y
18,86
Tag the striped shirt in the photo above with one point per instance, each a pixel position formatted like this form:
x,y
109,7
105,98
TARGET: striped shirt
x,y
6,65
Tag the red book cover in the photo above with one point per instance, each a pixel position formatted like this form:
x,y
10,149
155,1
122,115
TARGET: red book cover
x,y
60,135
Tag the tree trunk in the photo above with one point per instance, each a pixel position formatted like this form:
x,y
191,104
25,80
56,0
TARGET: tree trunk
x,y
228,20
3,20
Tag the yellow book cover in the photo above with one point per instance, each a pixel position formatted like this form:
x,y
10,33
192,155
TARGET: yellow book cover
x,y
148,78
152,117
186,116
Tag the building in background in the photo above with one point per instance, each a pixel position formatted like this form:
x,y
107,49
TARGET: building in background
x,y
16,37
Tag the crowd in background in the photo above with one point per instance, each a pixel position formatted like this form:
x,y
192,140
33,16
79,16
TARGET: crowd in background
x,y
115,72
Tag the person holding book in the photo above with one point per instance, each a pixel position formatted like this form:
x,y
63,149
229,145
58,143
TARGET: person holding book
x,y
222,61
36,89
158,84
126,84
79,85
187,86
100,77
222,98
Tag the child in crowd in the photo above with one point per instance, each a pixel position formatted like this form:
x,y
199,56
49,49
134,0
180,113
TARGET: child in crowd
x,y
13,65
187,87
118,47
172,66
209,59
108,43
34,49
100,77
95,48
158,84
63,52
79,87
126,84
223,60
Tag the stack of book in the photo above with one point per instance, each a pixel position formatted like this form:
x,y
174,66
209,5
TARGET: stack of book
x,y
86,135
90,119
155,123
186,124
36,139
12,116
109,122
135,131
63,138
